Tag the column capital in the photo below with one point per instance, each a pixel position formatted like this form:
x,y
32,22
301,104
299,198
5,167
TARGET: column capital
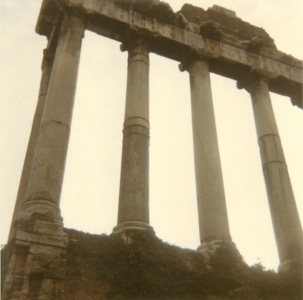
x,y
73,20
192,55
135,42
253,79
66,9
138,37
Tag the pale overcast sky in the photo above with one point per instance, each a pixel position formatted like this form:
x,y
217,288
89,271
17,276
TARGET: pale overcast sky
x,y
90,193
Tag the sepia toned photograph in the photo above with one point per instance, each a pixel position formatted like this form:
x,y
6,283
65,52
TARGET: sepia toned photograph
x,y
151,149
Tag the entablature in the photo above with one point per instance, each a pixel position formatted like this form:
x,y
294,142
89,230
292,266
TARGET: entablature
x,y
233,47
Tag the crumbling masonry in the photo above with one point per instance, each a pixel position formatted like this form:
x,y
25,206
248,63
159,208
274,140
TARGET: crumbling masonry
x,y
202,41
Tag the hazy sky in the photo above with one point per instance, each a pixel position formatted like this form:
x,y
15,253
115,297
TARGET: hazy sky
x,y
90,193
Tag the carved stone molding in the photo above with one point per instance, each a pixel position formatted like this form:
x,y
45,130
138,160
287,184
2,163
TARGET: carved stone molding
x,y
193,55
234,46
253,78
137,36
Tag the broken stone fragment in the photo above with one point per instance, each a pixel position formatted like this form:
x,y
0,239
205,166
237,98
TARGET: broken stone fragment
x,y
211,30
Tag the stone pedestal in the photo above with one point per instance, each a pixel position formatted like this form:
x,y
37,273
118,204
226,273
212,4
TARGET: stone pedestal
x,y
37,263
284,213
133,210
213,219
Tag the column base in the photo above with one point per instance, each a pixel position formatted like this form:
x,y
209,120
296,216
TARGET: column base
x,y
40,209
294,266
127,230
132,226
219,252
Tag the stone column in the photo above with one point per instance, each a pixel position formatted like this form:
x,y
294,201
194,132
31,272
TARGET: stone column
x,y
45,182
37,265
47,64
284,213
212,211
133,210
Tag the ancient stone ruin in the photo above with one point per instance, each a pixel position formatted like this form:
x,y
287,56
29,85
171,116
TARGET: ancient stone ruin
x,y
203,41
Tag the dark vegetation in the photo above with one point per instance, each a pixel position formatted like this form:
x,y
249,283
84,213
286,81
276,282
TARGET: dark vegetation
x,y
141,266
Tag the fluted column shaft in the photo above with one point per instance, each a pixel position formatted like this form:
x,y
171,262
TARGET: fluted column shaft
x,y
46,177
284,213
133,210
213,219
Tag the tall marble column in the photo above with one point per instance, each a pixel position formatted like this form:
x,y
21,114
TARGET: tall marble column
x,y
133,212
284,213
47,63
212,211
46,177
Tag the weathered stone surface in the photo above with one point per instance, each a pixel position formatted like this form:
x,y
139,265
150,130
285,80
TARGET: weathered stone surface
x,y
212,211
284,213
46,177
233,51
133,209
227,22
37,265
154,8
27,166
